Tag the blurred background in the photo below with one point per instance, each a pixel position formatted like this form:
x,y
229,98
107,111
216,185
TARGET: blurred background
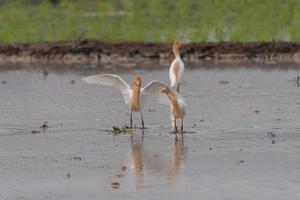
x,y
149,20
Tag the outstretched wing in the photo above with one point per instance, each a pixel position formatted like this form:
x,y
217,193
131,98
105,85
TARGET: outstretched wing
x,y
152,93
110,80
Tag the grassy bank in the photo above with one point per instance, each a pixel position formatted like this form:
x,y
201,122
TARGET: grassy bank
x,y
155,20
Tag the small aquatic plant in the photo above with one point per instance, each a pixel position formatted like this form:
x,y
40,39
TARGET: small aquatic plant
x,y
121,130
42,128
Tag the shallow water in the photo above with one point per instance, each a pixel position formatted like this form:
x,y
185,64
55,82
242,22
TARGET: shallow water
x,y
242,138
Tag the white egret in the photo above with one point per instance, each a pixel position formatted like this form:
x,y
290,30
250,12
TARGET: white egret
x,y
135,97
176,68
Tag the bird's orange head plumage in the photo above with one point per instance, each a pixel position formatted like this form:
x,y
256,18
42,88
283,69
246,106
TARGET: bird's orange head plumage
x,y
137,81
175,47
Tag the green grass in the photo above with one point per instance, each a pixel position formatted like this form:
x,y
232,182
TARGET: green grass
x,y
151,20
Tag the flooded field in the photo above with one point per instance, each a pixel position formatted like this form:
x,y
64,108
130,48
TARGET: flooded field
x,y
242,138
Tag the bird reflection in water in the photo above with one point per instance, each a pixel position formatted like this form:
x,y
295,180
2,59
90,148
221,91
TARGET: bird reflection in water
x,y
137,158
165,164
177,157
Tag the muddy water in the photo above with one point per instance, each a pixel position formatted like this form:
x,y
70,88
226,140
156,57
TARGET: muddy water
x,y
242,138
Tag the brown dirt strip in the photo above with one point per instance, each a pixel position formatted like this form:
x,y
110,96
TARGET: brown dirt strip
x,y
129,53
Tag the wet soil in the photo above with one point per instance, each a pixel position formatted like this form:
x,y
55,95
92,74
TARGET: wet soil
x,y
130,54
241,137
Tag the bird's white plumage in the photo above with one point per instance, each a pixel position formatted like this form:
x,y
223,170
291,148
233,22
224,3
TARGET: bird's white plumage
x,y
176,78
182,106
150,94
110,80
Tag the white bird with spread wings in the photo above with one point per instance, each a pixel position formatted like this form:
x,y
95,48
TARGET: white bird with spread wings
x,y
135,96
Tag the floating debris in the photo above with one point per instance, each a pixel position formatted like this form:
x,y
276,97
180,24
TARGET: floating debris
x,y
115,185
3,82
66,81
77,158
241,161
297,81
256,111
35,131
27,157
124,168
272,136
44,73
273,141
68,175
223,82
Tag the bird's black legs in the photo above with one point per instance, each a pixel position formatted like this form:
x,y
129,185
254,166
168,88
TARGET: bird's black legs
x,y
181,129
175,126
142,120
130,119
175,129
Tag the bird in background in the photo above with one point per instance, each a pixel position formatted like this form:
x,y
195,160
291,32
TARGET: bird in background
x,y
135,96
176,68
178,107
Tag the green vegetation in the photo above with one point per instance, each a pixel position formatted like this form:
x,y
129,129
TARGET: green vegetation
x,y
124,130
150,20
